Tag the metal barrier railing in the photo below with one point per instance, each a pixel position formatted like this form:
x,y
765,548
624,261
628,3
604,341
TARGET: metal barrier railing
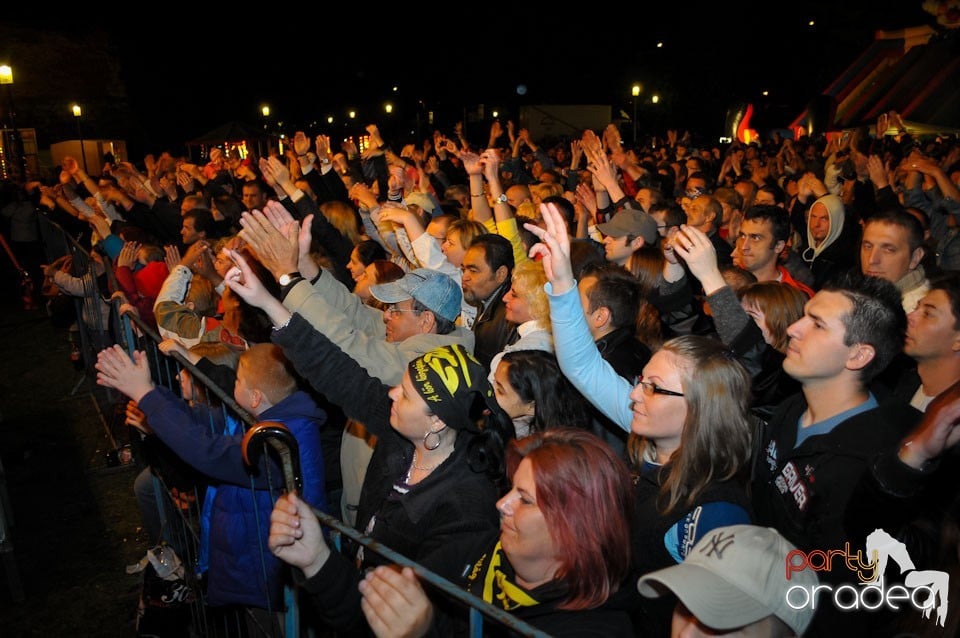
x,y
179,514
478,607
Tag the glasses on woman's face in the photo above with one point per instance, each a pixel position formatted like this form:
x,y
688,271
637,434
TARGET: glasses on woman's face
x,y
650,388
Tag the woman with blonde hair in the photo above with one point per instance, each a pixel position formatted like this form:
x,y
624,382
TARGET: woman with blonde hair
x,y
688,415
344,218
527,307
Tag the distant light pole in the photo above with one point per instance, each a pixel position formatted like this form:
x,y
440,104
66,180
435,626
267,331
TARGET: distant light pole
x,y
77,112
635,92
265,111
6,77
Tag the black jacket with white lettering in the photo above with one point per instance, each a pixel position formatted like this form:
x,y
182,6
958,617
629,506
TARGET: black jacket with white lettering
x,y
803,492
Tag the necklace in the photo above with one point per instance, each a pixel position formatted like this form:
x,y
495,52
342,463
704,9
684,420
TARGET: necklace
x,y
413,464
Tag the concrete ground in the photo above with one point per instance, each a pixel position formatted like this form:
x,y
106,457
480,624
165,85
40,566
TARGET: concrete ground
x,y
72,519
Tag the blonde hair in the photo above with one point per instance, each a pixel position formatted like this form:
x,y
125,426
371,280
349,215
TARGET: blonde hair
x,y
203,295
344,218
528,281
716,440
539,192
269,371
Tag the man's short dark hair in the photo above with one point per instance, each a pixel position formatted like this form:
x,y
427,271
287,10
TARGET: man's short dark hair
x,y
369,251
900,217
674,215
566,209
497,251
778,195
203,221
949,282
617,290
876,318
778,218
259,183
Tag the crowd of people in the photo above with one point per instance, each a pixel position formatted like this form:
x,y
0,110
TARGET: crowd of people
x,y
610,390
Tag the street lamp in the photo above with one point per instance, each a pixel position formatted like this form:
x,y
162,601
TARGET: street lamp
x,y
6,77
77,112
265,111
635,92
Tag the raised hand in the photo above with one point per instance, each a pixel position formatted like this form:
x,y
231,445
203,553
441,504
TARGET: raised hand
x,y
554,248
128,255
695,248
301,143
471,163
136,418
937,431
877,171
242,280
394,603
116,370
278,251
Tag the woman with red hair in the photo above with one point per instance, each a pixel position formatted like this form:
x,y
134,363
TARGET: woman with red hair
x,y
563,548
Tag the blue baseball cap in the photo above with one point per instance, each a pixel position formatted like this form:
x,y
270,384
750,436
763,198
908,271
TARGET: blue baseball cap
x,y
435,290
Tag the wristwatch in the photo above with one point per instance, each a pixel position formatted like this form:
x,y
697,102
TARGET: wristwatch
x,y
503,198
290,277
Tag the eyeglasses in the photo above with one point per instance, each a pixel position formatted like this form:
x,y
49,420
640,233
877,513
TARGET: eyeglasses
x,y
650,388
392,309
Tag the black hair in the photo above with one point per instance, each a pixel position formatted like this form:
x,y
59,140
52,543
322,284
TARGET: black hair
x,y
778,218
536,376
497,252
617,290
369,251
876,318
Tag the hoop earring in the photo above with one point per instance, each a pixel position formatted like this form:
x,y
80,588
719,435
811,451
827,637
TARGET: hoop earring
x,y
427,436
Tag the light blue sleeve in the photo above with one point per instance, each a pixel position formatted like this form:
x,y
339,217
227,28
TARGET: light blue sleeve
x,y
581,362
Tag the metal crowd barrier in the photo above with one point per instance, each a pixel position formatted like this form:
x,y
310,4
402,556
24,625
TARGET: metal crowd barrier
x,y
179,511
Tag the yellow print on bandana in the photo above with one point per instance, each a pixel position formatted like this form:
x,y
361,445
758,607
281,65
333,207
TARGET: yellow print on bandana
x,y
445,363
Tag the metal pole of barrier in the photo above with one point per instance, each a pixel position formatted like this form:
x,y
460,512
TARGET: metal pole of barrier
x,y
283,441
478,607
196,373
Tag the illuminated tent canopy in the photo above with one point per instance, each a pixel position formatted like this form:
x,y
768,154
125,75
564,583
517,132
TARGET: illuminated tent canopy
x,y
235,134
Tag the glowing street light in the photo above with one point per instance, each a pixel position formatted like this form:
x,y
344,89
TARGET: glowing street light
x,y
635,92
388,107
77,112
6,77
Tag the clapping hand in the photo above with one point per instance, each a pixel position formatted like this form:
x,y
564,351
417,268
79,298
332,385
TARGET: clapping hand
x,y
394,603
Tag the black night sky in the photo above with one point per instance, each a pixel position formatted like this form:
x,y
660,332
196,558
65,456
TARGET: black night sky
x,y
185,74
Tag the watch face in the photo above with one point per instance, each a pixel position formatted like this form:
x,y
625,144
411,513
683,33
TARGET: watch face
x,y
285,279
502,198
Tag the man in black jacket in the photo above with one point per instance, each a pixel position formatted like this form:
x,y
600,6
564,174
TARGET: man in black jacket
x,y
487,272
820,442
